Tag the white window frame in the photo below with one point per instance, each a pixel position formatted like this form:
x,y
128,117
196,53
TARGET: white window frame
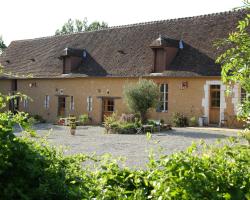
x,y
165,99
72,103
89,103
46,101
25,103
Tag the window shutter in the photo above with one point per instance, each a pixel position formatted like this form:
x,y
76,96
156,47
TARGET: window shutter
x,y
48,102
91,103
45,100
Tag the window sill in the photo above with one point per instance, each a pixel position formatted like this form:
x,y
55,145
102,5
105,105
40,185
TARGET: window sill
x,y
163,111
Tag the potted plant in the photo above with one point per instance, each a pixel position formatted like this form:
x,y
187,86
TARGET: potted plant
x,y
72,128
72,125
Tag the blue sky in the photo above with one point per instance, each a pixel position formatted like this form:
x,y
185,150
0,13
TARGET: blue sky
x,y
36,18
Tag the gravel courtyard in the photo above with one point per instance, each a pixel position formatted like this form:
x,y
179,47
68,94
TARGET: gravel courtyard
x,y
135,148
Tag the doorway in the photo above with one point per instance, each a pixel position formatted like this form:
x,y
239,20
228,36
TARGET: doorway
x,y
214,105
61,106
108,107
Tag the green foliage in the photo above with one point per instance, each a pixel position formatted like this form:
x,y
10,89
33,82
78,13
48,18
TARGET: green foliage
x,y
83,119
193,121
215,173
72,122
74,26
32,169
39,119
141,97
179,120
2,45
235,60
112,125
246,134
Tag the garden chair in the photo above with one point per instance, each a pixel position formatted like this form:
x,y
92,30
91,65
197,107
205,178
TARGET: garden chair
x,y
139,130
158,125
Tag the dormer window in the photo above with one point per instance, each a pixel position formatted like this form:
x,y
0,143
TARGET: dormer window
x,y
72,59
165,50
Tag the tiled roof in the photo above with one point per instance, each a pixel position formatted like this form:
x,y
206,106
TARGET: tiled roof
x,y
125,50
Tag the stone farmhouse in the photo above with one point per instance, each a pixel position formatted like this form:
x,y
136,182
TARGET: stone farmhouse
x,y
86,72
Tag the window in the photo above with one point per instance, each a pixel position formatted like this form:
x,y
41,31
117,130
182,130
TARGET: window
x,y
25,103
109,105
46,102
215,99
215,96
72,104
163,106
89,104
243,95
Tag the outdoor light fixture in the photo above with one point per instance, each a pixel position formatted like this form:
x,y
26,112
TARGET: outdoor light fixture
x,y
31,85
184,85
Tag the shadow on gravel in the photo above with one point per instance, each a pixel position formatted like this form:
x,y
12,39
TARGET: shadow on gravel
x,y
202,135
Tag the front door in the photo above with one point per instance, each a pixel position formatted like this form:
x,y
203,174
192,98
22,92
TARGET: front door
x,y
61,106
108,107
214,109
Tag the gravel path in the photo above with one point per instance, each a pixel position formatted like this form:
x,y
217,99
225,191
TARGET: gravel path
x,y
135,148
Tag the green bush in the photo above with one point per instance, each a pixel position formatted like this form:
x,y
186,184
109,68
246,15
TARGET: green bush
x,y
179,120
39,119
112,125
31,169
193,121
83,119
246,134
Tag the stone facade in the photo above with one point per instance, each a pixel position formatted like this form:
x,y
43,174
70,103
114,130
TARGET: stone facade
x,y
191,101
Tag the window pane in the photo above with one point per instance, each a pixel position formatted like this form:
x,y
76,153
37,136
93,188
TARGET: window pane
x,y
215,86
163,100
161,107
162,88
166,106
166,87
162,97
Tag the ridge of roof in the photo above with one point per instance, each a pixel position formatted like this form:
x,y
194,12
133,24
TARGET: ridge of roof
x,y
140,24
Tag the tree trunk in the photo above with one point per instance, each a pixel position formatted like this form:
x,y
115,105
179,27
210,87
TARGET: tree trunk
x,y
143,117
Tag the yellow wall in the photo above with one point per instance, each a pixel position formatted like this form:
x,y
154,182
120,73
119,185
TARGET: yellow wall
x,y
187,101
5,86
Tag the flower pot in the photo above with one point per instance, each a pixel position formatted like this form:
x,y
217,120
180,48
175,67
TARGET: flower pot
x,y
72,131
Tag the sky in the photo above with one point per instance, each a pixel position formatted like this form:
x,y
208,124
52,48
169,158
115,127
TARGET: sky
x,y
25,19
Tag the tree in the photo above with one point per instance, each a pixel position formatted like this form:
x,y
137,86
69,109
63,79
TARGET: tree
x,y
235,61
142,96
74,26
2,45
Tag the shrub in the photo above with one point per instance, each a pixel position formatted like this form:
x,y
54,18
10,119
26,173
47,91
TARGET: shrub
x,y
83,119
179,120
112,125
142,96
127,118
246,134
193,121
38,119
32,169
